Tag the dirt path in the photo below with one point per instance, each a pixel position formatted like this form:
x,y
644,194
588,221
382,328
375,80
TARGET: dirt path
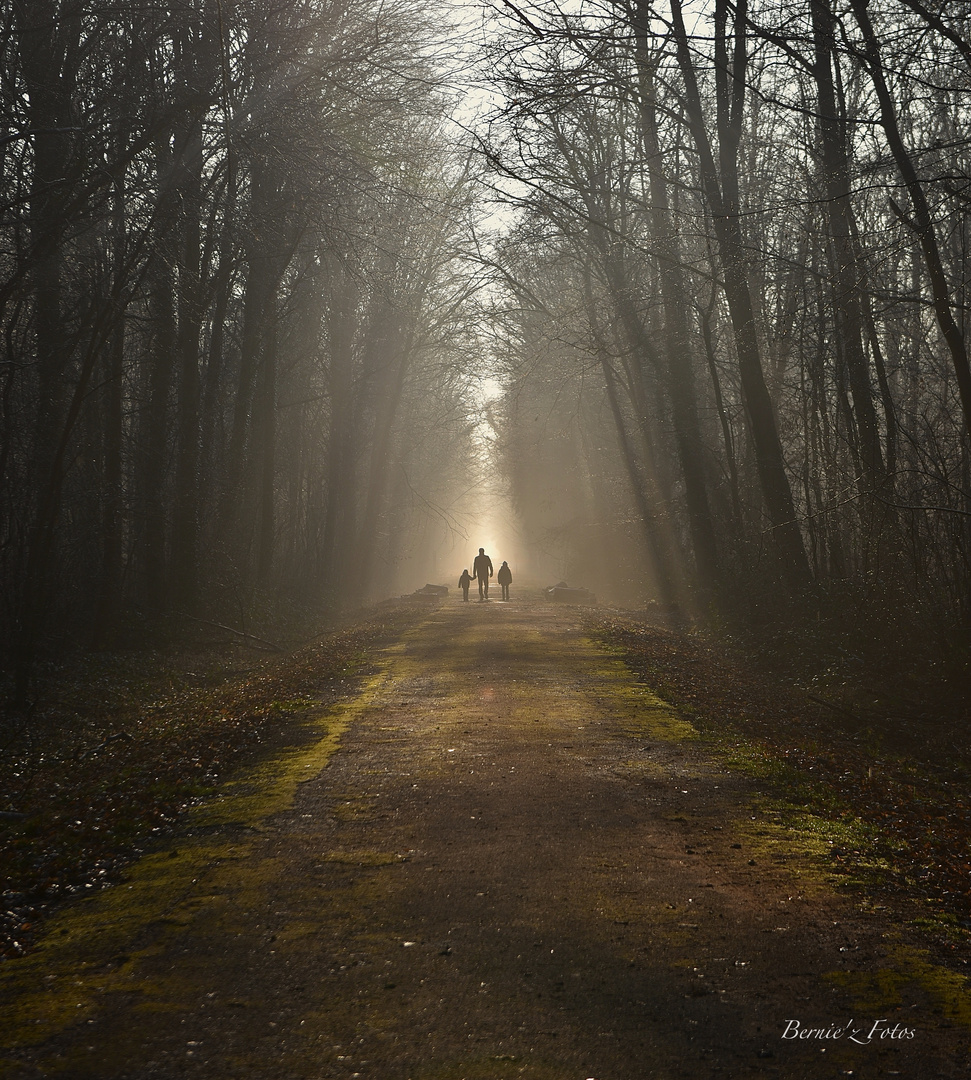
x,y
504,860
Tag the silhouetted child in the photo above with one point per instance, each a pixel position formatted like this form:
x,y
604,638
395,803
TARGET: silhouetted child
x,y
504,577
464,582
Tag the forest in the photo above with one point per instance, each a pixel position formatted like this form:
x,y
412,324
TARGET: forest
x,y
287,285
304,302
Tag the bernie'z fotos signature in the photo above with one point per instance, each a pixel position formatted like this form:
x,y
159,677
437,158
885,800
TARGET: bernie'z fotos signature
x,y
863,1035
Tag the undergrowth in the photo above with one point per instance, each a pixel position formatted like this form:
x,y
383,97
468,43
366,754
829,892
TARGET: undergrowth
x,y
120,744
841,745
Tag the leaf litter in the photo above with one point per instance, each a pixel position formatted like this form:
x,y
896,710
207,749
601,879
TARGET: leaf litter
x,y
901,768
119,748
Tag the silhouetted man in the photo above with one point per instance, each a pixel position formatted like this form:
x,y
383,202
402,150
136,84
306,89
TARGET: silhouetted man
x,y
482,571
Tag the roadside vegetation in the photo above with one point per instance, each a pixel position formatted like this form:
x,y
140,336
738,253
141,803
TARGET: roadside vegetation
x,y
121,744
880,752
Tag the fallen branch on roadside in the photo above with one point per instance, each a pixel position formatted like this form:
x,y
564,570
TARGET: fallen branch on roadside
x,y
272,646
82,754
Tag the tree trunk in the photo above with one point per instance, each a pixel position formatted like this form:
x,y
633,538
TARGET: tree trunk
x,y
721,193
340,478
664,571
679,370
847,279
153,446
265,424
42,34
922,223
400,345
261,285
185,510
728,439
112,509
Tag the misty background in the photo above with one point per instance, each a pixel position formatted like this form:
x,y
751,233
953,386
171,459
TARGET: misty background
x,y
304,301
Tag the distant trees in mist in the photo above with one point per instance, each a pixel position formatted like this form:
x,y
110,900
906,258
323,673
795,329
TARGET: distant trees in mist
x,y
232,354
245,295
735,324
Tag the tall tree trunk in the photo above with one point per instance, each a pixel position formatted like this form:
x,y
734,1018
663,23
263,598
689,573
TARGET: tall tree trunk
x,y
721,193
260,288
112,509
221,291
728,439
379,469
41,34
185,509
847,274
43,37
680,373
192,60
664,570
266,450
152,463
340,476
922,222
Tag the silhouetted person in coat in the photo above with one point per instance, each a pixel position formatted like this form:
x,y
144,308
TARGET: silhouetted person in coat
x,y
464,582
482,571
504,577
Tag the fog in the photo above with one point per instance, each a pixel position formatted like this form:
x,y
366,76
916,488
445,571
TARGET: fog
x,y
305,308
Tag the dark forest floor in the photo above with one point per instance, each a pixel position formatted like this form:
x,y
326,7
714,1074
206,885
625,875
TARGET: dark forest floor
x,y
881,751
121,745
